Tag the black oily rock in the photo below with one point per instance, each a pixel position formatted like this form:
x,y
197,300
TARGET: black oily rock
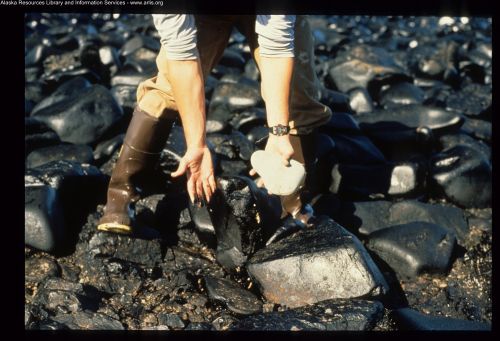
x,y
238,300
407,211
38,135
135,250
473,100
43,218
125,95
248,119
232,146
403,93
236,97
310,266
452,140
137,42
356,149
341,122
38,269
82,119
232,58
411,116
171,320
128,76
409,319
88,320
142,60
105,150
60,295
363,216
257,134
335,100
359,65
69,89
463,175
243,218
478,128
162,211
52,210
72,152
328,315
436,61
414,248
360,101
251,70
235,167
377,181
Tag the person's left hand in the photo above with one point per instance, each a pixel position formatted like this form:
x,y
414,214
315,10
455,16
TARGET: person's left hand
x,y
281,146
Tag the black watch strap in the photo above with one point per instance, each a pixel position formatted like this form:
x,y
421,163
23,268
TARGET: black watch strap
x,y
279,130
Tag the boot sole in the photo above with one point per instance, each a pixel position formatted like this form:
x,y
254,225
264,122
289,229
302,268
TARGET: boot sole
x,y
115,228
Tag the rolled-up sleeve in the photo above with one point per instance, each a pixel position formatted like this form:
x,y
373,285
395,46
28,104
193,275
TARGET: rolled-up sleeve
x,y
177,35
275,35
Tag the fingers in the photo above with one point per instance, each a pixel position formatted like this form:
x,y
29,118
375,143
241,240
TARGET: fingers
x,y
260,183
207,190
252,172
199,189
181,169
211,181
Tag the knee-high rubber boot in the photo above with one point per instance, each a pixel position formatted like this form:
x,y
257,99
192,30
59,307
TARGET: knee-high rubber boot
x,y
145,138
304,152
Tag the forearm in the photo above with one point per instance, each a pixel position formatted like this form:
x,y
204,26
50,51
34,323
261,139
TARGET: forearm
x,y
186,79
276,78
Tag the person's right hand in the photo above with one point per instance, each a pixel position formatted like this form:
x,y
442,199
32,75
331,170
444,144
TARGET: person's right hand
x,y
197,163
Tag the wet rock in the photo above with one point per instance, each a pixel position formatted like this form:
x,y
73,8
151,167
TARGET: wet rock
x,y
171,320
128,76
232,58
463,175
238,300
52,211
140,251
414,248
341,123
401,94
61,296
478,128
89,321
38,269
310,266
377,181
67,90
223,322
199,326
105,150
125,96
142,60
451,218
251,70
43,218
137,42
450,141
337,101
243,218
71,152
360,101
356,149
248,119
288,227
257,133
360,65
323,316
232,146
235,97
162,211
82,119
409,319
361,217
410,117
438,61
38,135
278,179
473,100
234,168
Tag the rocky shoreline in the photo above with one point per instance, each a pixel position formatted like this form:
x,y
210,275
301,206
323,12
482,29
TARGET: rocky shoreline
x,y
402,194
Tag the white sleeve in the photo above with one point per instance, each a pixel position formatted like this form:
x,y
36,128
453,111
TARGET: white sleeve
x,y
177,35
276,35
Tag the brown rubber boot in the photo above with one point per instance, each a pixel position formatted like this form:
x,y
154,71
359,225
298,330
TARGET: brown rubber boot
x,y
145,138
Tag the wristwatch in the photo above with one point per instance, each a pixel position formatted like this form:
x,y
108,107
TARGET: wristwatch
x,y
279,130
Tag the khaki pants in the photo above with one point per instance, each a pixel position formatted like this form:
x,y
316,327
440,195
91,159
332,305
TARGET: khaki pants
x,y
306,112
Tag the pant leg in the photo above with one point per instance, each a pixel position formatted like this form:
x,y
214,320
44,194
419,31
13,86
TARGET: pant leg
x,y
155,95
